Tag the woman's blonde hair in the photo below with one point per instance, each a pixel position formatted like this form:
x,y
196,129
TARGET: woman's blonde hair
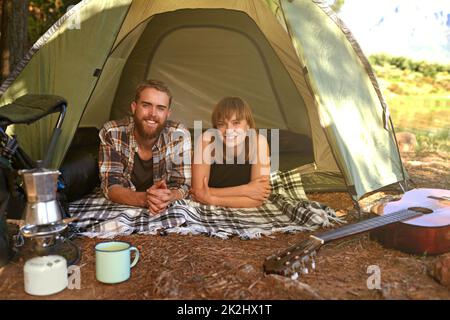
x,y
229,106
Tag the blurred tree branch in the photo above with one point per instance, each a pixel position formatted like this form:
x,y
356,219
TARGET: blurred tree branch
x,y
13,34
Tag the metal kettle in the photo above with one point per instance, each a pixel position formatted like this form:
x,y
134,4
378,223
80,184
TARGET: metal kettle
x,y
42,216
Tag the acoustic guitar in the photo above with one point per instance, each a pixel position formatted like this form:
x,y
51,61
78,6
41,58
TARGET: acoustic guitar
x,y
418,223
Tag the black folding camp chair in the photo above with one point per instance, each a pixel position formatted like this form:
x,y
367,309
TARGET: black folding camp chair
x,y
26,110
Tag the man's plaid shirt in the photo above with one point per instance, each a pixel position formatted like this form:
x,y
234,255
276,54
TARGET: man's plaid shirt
x,y
171,155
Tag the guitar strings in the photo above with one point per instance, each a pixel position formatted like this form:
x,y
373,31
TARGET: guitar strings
x,y
368,224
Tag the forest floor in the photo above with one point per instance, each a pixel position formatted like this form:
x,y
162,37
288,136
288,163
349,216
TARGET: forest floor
x,y
201,267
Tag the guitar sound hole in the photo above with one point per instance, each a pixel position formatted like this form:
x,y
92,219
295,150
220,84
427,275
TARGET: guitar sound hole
x,y
421,210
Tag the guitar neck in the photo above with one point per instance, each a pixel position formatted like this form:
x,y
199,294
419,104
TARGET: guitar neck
x,y
366,225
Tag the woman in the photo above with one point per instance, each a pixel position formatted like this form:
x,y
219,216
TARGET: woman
x,y
231,170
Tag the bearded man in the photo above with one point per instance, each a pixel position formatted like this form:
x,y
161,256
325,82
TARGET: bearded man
x,y
144,159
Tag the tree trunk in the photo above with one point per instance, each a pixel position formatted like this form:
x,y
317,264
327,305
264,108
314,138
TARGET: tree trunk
x,y
14,39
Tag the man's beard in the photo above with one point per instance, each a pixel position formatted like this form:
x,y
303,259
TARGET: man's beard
x,y
143,132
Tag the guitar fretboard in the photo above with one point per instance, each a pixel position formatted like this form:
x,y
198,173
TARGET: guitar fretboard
x,y
367,225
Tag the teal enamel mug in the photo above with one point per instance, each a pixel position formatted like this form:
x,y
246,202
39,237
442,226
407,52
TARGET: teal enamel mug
x,y
113,261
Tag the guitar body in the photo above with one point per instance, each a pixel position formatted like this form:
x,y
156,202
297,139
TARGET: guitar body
x,y
426,234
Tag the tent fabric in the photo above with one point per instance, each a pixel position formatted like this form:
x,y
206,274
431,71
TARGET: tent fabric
x,y
388,125
348,34
362,148
293,61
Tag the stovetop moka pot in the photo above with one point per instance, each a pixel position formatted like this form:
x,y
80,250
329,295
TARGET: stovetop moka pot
x,y
42,216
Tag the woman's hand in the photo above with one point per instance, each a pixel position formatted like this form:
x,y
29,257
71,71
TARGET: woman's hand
x,y
203,195
259,189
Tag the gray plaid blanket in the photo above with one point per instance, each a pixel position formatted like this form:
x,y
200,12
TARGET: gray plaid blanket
x,y
286,210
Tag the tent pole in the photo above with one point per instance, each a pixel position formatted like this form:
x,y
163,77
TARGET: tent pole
x,y
55,136
398,152
357,207
403,187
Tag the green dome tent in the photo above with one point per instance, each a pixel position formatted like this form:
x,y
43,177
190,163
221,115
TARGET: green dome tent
x,y
294,62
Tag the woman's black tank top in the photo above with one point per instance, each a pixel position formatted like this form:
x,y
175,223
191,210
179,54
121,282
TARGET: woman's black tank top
x,y
229,175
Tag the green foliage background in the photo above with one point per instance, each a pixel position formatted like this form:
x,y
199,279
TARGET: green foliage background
x,y
418,95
